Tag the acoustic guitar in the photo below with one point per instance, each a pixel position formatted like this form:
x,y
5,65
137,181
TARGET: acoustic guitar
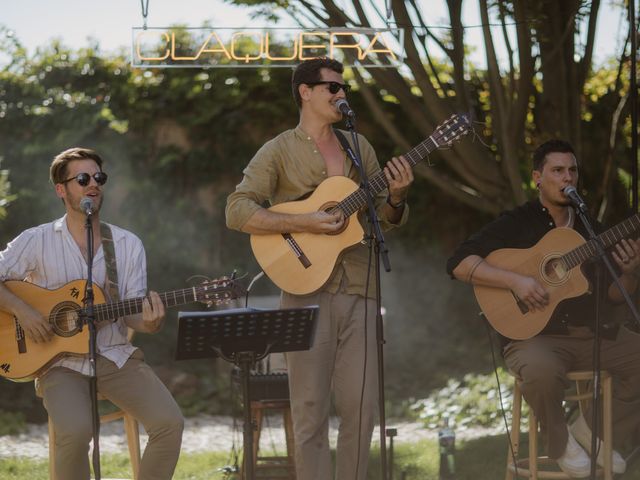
x,y
552,262
300,263
21,359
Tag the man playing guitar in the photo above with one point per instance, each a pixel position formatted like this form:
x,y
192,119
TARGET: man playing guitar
x,y
54,254
288,168
566,343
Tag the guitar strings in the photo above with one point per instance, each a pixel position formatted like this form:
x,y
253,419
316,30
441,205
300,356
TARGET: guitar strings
x,y
353,202
608,238
132,306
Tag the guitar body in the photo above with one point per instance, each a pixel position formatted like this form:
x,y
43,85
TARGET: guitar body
x,y
501,307
300,263
21,359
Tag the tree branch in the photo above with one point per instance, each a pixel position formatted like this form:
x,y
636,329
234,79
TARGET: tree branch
x,y
500,111
527,71
457,55
507,44
585,62
313,11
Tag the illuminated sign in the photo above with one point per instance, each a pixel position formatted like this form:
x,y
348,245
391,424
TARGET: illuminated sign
x,y
260,47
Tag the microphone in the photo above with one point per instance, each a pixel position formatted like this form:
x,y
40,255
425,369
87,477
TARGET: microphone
x,y
345,109
572,194
86,205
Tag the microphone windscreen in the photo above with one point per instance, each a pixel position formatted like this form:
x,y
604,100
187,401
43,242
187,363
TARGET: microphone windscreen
x,y
86,204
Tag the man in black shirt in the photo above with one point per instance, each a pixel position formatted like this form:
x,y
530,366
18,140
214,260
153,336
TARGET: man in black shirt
x,y
566,343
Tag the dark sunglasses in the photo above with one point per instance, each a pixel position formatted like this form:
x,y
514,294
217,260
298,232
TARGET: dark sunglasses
x,y
84,178
334,87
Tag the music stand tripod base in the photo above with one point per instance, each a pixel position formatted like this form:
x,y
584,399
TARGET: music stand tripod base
x,y
244,336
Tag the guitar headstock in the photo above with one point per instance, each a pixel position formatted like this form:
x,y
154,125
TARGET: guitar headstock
x,y
452,129
219,291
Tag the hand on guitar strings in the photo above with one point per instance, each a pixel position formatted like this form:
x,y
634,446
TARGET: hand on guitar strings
x,y
152,312
323,222
399,176
627,255
36,327
529,290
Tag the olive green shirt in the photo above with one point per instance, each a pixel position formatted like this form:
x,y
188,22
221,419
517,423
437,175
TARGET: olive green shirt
x,y
290,167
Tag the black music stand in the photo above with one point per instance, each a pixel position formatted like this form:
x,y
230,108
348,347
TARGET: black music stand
x,y
244,336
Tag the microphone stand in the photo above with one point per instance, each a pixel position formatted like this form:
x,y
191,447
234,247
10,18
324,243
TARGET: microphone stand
x,y
581,210
88,317
375,240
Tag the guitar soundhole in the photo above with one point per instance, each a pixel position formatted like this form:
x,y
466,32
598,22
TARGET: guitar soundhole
x,y
554,271
64,319
329,206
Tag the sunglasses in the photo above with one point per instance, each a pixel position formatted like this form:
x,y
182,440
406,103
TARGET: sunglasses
x,y
334,87
84,178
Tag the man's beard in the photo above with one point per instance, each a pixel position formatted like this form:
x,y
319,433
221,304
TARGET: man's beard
x,y
74,201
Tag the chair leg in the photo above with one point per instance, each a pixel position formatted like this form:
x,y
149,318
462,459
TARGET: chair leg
x,y
608,429
133,442
288,433
533,445
52,452
512,452
259,413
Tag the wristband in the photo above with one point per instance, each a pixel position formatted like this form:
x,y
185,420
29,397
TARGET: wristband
x,y
397,205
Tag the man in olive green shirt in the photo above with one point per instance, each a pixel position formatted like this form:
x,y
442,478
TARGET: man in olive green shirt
x,y
344,354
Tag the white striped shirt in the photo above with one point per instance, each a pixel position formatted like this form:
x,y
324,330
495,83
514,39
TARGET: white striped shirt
x,y
48,256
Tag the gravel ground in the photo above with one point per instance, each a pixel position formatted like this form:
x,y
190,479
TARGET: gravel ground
x,y
206,433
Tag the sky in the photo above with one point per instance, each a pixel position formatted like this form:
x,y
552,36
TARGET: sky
x,y
36,22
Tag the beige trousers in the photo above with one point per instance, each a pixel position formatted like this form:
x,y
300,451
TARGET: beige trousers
x,y
134,388
542,363
345,357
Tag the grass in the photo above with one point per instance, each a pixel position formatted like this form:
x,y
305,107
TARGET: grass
x,y
191,466
480,459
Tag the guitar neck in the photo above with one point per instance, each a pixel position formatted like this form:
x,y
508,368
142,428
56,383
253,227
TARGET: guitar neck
x,y
132,306
378,182
607,239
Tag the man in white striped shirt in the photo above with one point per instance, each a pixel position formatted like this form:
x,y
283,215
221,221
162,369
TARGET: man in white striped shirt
x,y
54,254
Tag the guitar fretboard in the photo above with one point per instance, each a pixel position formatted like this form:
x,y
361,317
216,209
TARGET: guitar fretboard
x,y
451,130
132,306
609,238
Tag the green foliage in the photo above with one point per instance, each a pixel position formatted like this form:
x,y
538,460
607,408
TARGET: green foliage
x,y
12,423
5,193
474,401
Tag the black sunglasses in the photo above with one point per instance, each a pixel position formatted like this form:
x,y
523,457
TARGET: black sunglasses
x,y
84,178
334,87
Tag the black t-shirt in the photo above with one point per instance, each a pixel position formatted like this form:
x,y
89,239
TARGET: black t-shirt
x,y
523,227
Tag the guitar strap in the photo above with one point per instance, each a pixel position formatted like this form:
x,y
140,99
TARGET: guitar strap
x,y
346,146
108,248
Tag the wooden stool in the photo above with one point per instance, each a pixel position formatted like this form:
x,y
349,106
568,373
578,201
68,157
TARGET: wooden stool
x,y
276,467
528,467
131,430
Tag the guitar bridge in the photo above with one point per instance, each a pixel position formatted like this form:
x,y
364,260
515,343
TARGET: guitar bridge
x,y
304,260
20,340
521,305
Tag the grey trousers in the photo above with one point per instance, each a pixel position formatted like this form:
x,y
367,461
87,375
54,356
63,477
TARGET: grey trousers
x,y
134,388
345,357
542,363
